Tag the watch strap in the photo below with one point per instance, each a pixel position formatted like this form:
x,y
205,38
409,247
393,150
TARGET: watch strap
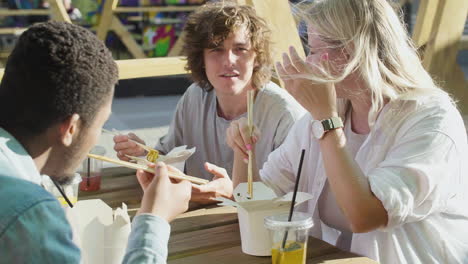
x,y
332,123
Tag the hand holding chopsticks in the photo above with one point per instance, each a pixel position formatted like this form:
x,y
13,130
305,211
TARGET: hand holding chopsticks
x,y
175,175
123,147
161,196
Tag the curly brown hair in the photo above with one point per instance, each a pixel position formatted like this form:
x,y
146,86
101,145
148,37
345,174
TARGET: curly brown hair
x,y
55,70
211,24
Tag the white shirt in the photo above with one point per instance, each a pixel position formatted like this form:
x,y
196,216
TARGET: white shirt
x,y
17,163
415,161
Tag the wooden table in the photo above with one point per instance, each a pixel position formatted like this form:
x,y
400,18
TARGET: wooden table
x,y
205,235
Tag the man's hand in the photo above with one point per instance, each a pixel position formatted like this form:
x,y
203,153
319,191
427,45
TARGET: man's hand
x,y
162,197
220,186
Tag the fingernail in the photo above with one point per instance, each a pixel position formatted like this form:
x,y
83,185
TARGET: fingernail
x,y
324,57
248,146
246,160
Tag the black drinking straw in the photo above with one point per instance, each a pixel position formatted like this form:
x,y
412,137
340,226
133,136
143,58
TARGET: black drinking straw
x,y
89,171
63,194
293,202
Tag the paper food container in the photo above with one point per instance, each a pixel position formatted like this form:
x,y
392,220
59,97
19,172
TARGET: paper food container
x,y
255,237
102,232
176,157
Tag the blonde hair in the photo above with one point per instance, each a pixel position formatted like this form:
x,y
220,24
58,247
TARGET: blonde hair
x,y
378,45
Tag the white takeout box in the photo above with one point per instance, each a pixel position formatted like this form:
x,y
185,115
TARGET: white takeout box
x,y
176,157
251,213
102,232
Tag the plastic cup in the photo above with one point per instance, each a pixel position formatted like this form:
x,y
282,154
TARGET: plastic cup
x,y
91,171
70,190
289,239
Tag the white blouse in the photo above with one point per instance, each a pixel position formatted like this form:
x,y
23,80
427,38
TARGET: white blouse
x,y
415,159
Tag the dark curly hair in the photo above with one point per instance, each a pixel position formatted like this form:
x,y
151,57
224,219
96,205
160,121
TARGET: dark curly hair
x,y
55,70
211,24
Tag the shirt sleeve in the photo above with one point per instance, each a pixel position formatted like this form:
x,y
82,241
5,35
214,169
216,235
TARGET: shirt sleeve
x,y
284,126
277,172
418,177
40,234
148,240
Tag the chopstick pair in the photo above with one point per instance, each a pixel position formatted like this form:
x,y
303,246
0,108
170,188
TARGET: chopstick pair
x,y
250,101
177,176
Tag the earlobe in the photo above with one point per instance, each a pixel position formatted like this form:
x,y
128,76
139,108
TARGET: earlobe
x,y
69,128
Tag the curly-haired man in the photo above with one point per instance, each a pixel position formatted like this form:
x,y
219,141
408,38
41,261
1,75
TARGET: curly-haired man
x,y
228,52
55,96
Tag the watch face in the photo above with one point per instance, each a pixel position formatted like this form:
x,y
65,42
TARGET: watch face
x,y
317,129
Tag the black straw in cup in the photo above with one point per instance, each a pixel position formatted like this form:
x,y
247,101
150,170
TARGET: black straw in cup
x,y
88,172
293,202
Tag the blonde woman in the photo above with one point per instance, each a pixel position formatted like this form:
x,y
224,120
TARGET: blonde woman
x,y
386,148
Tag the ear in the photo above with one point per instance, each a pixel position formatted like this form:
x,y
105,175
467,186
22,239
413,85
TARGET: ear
x,y
69,129
346,54
256,65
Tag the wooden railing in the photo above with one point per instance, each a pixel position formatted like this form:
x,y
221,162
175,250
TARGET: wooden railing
x,y
56,10
439,31
139,68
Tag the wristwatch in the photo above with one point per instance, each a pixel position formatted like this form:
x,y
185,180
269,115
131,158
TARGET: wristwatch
x,y
320,127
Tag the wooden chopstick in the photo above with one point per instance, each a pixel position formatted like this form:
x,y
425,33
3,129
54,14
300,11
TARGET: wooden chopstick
x,y
137,158
177,176
250,96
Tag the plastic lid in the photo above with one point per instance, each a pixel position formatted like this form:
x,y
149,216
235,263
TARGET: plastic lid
x,y
299,221
76,179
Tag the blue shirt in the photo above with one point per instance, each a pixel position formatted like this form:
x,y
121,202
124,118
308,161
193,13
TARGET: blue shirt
x,y
33,226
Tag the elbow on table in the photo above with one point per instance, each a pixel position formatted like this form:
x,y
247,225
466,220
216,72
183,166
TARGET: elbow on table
x,y
367,222
361,227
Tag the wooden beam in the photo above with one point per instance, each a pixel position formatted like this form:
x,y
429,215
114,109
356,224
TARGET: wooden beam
x,y
279,18
457,86
178,46
424,22
123,9
442,48
109,21
105,21
448,28
59,13
244,2
464,43
127,38
139,68
13,31
24,12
